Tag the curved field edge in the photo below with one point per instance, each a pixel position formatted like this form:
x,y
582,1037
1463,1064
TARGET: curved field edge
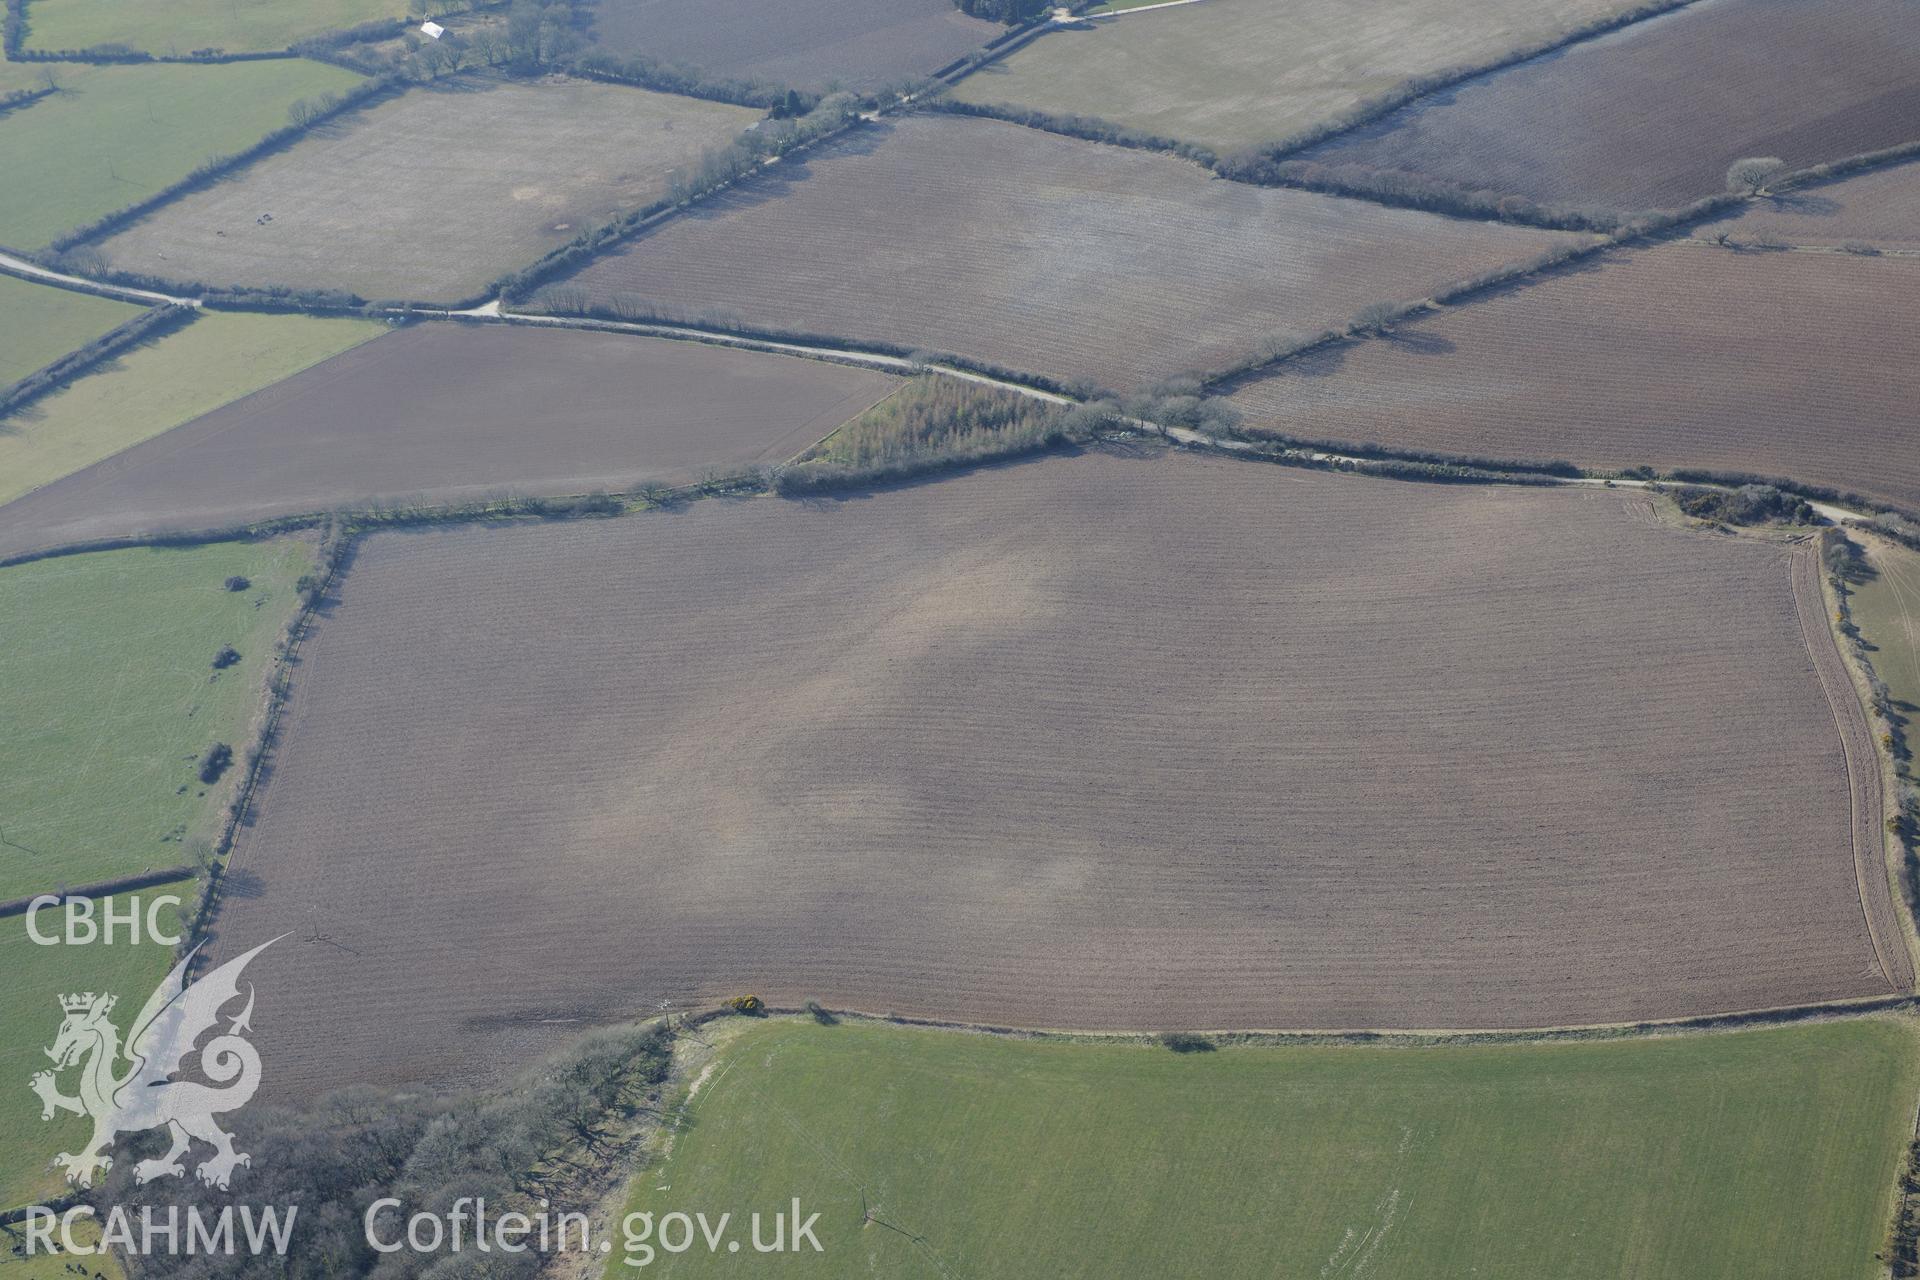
x,y
1885,927
1874,590
1816,954
1748,1153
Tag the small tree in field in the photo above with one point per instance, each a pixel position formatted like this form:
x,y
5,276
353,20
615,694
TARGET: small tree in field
x,y
1749,177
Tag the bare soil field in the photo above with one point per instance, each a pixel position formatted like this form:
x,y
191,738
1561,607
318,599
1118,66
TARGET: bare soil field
x,y
1879,209
1230,74
441,413
1788,365
433,194
1103,742
1037,252
811,44
1652,115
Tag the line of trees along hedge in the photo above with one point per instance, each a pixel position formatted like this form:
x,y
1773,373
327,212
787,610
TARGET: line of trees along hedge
x,y
717,169
13,37
23,97
1092,128
151,323
663,77
1416,191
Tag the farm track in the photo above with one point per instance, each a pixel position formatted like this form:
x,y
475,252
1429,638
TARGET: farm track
x,y
33,270
1863,761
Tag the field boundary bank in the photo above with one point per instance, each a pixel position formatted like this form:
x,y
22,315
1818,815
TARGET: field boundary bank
x,y
1864,773
368,93
1247,444
334,550
155,322
1362,113
101,888
1886,730
1697,1024
23,98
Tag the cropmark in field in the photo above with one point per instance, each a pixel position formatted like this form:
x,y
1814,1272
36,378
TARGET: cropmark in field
x,y
1089,742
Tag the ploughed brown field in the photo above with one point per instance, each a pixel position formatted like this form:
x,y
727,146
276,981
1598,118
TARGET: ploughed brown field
x,y
1789,365
1651,115
440,413
1097,742
1036,252
854,44
1878,209
1232,74
433,194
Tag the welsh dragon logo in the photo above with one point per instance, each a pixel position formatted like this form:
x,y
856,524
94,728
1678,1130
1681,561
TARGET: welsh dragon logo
x,y
129,1088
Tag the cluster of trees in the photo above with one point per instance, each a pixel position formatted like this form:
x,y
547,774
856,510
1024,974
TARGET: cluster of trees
x,y
1903,1248
1748,504
215,763
934,423
336,1158
1008,11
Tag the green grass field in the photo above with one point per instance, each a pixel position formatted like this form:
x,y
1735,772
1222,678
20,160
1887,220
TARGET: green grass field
x,y
39,324
1749,1154
22,75
1887,611
30,1011
160,384
115,135
175,28
110,698
15,1266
